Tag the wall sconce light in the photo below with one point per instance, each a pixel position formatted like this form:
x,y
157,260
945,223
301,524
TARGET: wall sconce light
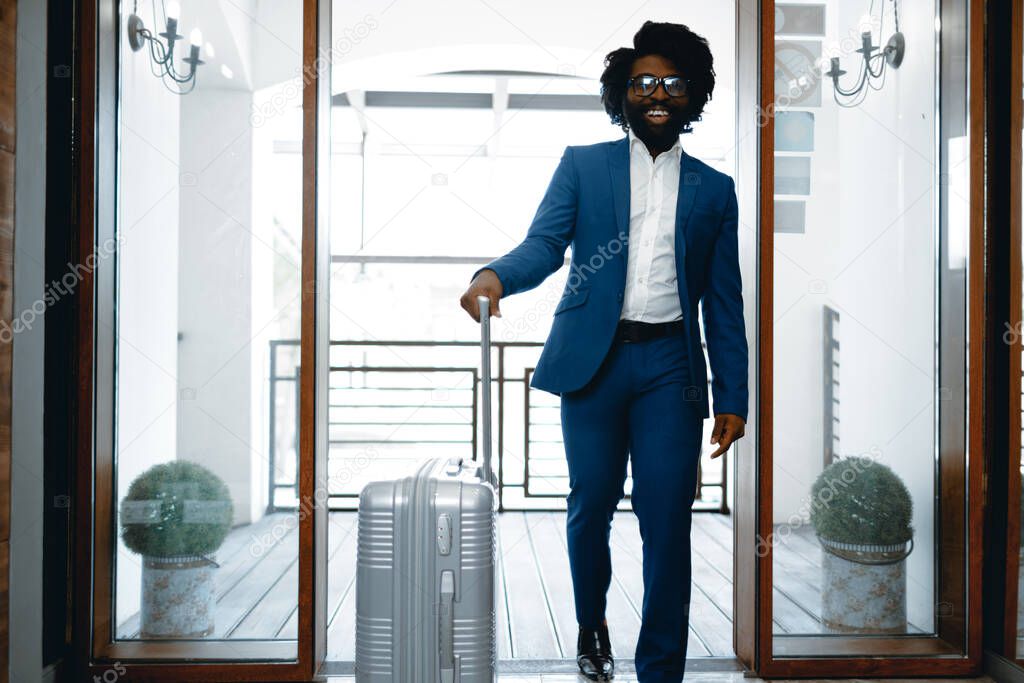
x,y
163,54
890,55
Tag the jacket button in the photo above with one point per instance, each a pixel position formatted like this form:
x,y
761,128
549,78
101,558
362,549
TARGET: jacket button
x,y
620,296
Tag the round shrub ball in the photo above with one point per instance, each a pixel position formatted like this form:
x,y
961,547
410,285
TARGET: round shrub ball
x,y
859,500
194,511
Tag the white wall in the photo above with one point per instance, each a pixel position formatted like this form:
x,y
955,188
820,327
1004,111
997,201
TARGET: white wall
x,y
276,48
276,257
148,266
216,250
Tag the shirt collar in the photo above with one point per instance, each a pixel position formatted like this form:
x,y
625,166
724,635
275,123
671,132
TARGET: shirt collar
x,y
675,150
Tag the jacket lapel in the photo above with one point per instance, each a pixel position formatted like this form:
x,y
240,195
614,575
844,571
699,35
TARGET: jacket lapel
x,y
618,169
689,183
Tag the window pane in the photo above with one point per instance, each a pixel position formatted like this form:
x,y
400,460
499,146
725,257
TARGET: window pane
x,y
869,329
209,223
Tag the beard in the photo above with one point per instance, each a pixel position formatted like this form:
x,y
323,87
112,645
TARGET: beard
x,y
661,136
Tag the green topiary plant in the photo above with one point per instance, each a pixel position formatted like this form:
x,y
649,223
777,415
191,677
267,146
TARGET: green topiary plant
x,y
858,500
174,509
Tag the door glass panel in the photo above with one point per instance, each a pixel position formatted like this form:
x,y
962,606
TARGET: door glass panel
x,y
870,255
208,264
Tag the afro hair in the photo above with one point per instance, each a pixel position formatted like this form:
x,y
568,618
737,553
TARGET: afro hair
x,y
678,44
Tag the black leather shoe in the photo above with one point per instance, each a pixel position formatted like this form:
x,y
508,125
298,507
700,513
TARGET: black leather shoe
x,y
594,653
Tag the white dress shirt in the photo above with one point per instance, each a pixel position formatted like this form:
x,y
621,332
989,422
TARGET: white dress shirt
x,y
652,294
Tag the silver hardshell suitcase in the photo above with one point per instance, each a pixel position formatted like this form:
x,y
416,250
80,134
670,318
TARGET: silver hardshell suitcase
x,y
425,586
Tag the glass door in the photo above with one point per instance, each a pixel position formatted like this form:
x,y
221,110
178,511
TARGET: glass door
x,y
202,249
871,284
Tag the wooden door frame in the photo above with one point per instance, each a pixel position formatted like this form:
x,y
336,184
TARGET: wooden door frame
x,y
761,657
96,100
317,57
747,467
1013,315
95,652
8,155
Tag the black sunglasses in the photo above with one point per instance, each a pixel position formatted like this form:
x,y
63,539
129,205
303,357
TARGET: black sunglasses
x,y
644,85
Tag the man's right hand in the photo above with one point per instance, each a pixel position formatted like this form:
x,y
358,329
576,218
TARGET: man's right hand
x,y
486,283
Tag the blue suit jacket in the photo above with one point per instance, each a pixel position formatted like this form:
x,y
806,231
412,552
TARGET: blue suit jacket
x,y
586,206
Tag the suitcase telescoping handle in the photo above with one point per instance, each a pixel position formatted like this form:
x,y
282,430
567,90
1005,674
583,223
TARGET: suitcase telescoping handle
x,y
484,304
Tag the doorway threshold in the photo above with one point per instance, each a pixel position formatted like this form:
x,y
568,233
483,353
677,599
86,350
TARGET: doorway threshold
x,y
563,666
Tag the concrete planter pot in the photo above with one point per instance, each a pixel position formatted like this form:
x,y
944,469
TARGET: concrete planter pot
x,y
864,587
178,596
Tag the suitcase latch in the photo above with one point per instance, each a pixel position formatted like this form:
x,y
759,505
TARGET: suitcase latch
x,y
444,533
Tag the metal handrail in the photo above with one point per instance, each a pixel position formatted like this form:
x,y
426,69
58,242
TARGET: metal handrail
x,y
456,418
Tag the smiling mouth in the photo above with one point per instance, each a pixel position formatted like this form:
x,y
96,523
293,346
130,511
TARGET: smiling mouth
x,y
656,115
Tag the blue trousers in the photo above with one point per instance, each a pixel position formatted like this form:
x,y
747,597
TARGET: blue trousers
x,y
639,405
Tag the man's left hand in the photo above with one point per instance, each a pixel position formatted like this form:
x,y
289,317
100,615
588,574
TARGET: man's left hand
x,y
728,428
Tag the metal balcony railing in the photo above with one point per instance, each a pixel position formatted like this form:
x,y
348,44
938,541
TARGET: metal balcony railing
x,y
394,403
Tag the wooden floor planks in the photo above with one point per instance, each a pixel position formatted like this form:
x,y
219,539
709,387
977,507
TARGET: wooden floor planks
x,y
258,579
533,631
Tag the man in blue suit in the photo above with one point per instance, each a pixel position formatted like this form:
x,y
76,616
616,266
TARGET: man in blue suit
x,y
653,232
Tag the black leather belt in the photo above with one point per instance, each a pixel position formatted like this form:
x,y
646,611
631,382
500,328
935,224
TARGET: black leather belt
x,y
636,331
